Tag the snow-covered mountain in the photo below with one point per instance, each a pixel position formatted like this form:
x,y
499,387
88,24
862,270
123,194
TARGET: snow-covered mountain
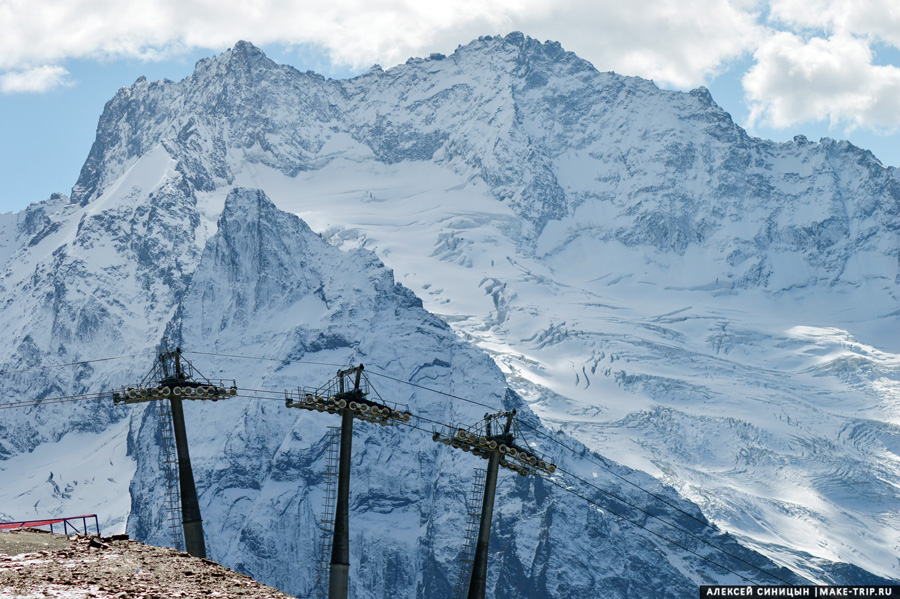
x,y
686,300
266,285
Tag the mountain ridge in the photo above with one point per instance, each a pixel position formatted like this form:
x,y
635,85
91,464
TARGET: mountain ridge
x,y
522,159
683,298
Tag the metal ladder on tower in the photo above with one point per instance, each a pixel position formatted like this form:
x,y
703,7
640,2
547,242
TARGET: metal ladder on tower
x,y
473,520
169,468
329,501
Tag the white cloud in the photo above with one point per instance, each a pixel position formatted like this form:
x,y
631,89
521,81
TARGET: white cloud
x,y
355,31
37,80
796,80
683,43
680,42
878,19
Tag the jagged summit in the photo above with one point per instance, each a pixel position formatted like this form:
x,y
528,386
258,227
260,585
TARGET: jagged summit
x,y
243,60
245,50
237,107
520,115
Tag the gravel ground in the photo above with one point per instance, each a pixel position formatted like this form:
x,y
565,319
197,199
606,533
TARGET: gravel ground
x,y
37,565
14,542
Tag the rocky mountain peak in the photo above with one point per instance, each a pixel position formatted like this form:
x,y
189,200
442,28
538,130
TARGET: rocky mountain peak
x,y
241,63
611,244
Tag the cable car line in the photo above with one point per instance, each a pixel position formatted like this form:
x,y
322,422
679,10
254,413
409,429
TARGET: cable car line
x,y
52,400
676,527
3,372
656,534
282,360
570,449
247,393
619,476
96,396
472,401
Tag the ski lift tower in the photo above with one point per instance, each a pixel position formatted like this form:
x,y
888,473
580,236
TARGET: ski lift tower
x,y
495,443
174,378
346,394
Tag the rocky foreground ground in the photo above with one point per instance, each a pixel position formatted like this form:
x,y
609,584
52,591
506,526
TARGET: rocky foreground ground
x,y
36,564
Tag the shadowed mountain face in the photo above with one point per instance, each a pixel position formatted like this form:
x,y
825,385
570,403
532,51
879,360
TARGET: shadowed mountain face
x,y
706,307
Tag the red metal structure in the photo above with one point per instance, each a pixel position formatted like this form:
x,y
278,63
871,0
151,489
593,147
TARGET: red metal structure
x,y
66,522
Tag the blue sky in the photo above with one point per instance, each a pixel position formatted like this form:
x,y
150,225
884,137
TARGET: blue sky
x,y
821,68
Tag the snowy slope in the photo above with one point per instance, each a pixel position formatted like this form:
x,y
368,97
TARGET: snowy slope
x,y
265,284
782,426
707,307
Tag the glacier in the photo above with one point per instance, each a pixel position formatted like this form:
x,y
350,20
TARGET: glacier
x,y
265,284
707,311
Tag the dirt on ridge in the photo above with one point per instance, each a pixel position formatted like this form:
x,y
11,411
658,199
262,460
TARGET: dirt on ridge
x,y
35,565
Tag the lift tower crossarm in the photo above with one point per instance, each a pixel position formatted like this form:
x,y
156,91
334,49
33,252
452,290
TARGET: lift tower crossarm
x,y
174,378
338,397
349,392
500,449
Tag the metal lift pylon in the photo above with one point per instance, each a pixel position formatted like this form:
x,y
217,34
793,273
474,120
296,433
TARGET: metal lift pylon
x,y
337,397
173,377
479,564
339,578
486,440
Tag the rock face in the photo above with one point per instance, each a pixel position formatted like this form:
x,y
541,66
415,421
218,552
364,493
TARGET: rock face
x,y
689,301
